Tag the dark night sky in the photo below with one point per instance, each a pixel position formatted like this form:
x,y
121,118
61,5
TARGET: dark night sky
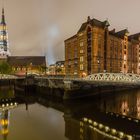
x,y
39,27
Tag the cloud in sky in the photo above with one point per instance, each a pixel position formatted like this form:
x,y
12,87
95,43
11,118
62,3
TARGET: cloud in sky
x,y
39,27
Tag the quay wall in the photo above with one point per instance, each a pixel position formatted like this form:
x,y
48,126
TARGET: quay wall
x,y
70,89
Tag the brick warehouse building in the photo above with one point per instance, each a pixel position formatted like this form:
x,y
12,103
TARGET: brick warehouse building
x,y
95,49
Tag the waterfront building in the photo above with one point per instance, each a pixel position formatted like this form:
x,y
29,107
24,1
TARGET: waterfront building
x,y
22,65
57,69
51,69
60,68
96,49
4,45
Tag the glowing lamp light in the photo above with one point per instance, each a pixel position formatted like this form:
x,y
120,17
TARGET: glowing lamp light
x,y
107,129
2,122
129,137
136,121
121,134
129,119
100,126
6,122
85,119
81,130
114,131
81,123
95,123
90,121
4,132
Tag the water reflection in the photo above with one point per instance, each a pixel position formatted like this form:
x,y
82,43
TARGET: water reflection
x,y
4,123
6,106
125,103
40,118
7,102
138,106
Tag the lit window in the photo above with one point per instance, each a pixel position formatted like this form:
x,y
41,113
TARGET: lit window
x,y
81,51
81,67
81,44
75,73
125,57
81,58
81,34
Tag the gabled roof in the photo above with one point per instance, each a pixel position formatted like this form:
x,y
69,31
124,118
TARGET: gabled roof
x,y
134,36
71,37
119,34
26,60
94,22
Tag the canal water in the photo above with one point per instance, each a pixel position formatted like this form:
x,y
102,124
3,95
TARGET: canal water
x,y
36,117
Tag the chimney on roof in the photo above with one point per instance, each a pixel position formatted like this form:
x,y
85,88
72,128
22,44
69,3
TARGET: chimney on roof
x,y
88,19
113,31
106,23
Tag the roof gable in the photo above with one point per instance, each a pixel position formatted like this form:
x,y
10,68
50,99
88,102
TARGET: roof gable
x,y
94,22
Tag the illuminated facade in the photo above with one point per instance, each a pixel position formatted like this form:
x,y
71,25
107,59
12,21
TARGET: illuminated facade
x,y
60,68
96,49
22,65
4,46
57,69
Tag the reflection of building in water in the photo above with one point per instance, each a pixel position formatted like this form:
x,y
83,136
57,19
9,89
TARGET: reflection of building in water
x,y
88,129
124,107
5,106
71,127
138,106
4,123
123,104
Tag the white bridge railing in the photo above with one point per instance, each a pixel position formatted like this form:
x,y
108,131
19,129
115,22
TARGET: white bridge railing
x,y
114,77
102,77
5,76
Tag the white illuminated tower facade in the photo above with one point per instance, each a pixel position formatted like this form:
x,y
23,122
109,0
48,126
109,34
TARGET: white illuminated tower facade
x,y
4,45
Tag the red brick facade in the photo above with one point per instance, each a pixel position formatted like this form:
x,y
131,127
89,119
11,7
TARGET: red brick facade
x,y
95,49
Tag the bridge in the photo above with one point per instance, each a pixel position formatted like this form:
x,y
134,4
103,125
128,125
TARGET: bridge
x,y
6,76
96,79
114,77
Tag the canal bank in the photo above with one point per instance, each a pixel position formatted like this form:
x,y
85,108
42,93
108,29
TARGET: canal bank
x,y
70,89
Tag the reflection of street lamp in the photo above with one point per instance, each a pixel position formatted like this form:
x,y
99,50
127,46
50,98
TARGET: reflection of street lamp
x,y
98,61
31,67
26,71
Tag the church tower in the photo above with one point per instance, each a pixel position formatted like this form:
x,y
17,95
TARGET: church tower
x,y
4,46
